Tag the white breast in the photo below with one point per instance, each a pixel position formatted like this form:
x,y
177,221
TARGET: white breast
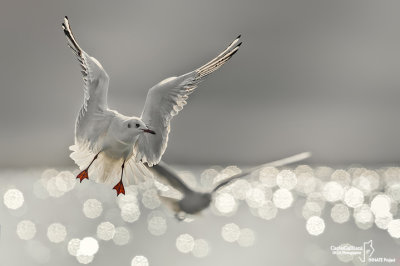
x,y
116,149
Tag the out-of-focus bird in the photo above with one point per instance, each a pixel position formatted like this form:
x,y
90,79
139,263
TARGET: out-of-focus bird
x,y
193,202
107,141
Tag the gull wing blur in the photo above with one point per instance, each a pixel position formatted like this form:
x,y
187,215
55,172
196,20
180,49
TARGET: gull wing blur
x,y
167,98
194,202
95,79
281,162
163,172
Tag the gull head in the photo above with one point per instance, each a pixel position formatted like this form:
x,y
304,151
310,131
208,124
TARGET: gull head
x,y
128,129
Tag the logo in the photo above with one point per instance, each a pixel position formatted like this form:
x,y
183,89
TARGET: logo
x,y
363,252
367,251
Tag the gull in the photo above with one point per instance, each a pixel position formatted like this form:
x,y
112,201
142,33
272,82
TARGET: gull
x,y
105,140
193,202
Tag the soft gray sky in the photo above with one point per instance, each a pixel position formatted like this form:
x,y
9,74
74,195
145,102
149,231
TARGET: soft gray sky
x,y
311,75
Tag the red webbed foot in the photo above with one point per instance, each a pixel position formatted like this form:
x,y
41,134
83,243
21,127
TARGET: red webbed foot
x,y
83,175
119,188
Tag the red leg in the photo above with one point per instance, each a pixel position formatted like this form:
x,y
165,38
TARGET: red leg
x,y
84,174
119,187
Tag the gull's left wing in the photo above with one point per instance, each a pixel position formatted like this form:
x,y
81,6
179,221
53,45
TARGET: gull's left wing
x,y
166,99
281,162
165,173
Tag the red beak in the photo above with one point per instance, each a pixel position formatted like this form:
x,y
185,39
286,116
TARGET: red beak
x,y
149,131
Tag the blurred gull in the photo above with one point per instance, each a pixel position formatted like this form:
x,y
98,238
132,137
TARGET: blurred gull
x,y
193,202
107,140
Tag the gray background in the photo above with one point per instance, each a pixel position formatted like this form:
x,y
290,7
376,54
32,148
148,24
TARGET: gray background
x,y
311,75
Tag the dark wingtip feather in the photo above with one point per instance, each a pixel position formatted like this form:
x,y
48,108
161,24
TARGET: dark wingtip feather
x,y
240,35
234,52
239,44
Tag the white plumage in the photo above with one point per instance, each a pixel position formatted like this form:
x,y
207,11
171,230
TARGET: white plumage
x,y
105,140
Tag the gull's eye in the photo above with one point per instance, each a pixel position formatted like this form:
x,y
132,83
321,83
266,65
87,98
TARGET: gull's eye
x,y
137,125
129,125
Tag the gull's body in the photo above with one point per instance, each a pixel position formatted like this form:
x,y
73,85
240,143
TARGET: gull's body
x,y
105,140
193,202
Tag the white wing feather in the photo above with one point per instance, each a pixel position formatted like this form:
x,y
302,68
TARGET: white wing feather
x,y
92,118
166,99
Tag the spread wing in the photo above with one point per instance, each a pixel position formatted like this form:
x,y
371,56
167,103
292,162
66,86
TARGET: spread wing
x,y
281,162
95,80
166,99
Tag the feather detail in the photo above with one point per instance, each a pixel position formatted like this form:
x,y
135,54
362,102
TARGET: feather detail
x,y
166,99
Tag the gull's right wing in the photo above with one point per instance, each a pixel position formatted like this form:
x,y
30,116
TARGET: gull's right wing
x,y
94,76
93,118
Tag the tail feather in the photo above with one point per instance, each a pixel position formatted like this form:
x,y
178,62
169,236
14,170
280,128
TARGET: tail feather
x,y
108,170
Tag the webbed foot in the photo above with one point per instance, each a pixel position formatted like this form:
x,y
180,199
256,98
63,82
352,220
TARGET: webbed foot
x,y
83,175
119,188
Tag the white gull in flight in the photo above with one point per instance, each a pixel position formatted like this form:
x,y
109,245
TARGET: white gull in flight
x,y
107,141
